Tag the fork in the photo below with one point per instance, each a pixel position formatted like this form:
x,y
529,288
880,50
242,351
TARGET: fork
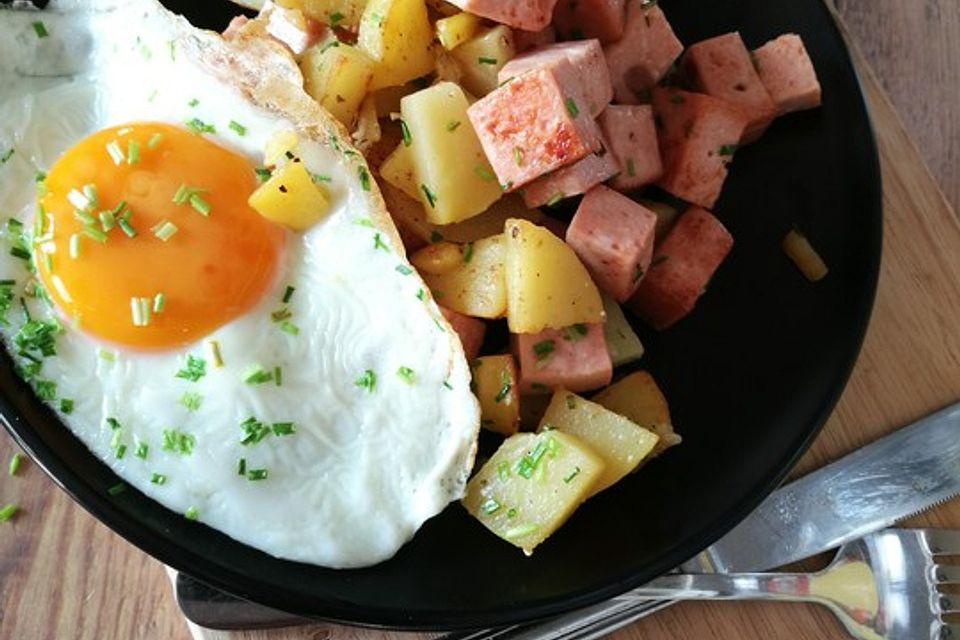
x,y
881,587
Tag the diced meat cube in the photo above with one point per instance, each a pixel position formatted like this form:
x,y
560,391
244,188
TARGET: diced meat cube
x,y
530,15
574,358
525,40
579,19
698,136
640,59
613,237
632,132
572,180
470,330
787,72
534,124
682,267
722,67
588,63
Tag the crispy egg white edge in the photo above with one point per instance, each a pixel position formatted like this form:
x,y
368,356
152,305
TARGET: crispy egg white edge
x,y
365,469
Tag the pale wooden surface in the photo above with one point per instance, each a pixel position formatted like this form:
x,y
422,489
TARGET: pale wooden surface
x,y
63,575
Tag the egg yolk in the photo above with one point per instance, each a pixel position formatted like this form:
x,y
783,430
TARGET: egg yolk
x,y
147,239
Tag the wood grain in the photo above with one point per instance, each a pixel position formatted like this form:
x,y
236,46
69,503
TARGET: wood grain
x,y
63,575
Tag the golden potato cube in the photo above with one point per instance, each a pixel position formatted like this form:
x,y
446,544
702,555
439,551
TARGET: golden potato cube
x,y
291,198
622,444
473,282
457,29
398,170
638,398
398,36
547,285
482,57
456,181
337,76
531,486
623,345
336,13
495,385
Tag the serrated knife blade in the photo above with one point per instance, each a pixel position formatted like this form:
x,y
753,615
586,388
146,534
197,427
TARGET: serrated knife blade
x,y
913,469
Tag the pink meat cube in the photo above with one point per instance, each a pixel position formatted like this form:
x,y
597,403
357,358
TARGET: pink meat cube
x,y
574,358
529,15
722,67
640,59
588,63
579,19
525,40
535,124
632,133
613,236
682,267
470,330
787,72
572,180
698,136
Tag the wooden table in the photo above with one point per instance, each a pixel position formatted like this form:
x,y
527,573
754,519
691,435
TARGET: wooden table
x,y
64,575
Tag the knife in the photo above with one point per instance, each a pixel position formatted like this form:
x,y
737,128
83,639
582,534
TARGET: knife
x,y
913,469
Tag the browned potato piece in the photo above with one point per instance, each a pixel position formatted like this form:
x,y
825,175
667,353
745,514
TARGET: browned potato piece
x,y
482,57
495,385
531,485
638,398
467,279
621,443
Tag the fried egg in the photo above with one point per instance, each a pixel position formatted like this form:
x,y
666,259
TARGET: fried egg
x,y
298,391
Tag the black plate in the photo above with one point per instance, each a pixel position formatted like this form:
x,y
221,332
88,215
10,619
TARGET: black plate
x,y
751,376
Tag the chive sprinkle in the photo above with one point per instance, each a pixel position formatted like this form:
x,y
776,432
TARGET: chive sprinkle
x,y
288,327
126,227
7,512
406,374
74,247
453,125
431,196
257,474
191,513
142,450
489,507
555,199
107,220
486,60
95,234
158,478
40,29
140,311
66,405
378,242
572,107
159,302
404,270
199,204
278,376
283,428
238,128
117,489
256,374
288,293
544,349
199,126
484,173
364,178
195,369
164,230
335,18
367,381
191,400
15,462
242,467
133,152
115,152
154,140
505,387
728,149
405,132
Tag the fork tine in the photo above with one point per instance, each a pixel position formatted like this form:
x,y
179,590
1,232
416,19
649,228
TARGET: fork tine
x,y
945,574
948,631
942,542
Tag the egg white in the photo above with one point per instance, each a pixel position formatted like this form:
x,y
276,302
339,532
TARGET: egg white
x,y
365,468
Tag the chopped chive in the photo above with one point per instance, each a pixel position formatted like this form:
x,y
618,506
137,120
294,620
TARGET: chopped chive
x,y
121,451
74,247
126,227
364,178
484,173
159,302
257,474
283,428
518,156
154,140
195,369
489,507
378,242
191,400
199,204
15,462
117,489
238,128
140,311
404,269
116,153
7,155
503,470
421,294
323,49
143,449
406,374
214,348
281,315
335,18
405,132
289,327
486,60
318,177
364,222
447,385
242,467
107,220
178,441
631,167
278,376
193,102
90,193
544,349
555,199
40,29
158,478
520,531
7,512
164,230
575,332
253,431
78,200
505,387
256,374
367,381
453,125
191,513
109,356
263,174
431,197
95,234
288,293
66,405
199,126
728,149
572,107
133,152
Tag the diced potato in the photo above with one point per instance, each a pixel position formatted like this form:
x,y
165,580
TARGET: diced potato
x,y
339,13
623,345
799,249
468,279
337,76
547,285
495,385
397,35
638,398
398,170
482,57
291,198
457,29
456,181
532,485
621,443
